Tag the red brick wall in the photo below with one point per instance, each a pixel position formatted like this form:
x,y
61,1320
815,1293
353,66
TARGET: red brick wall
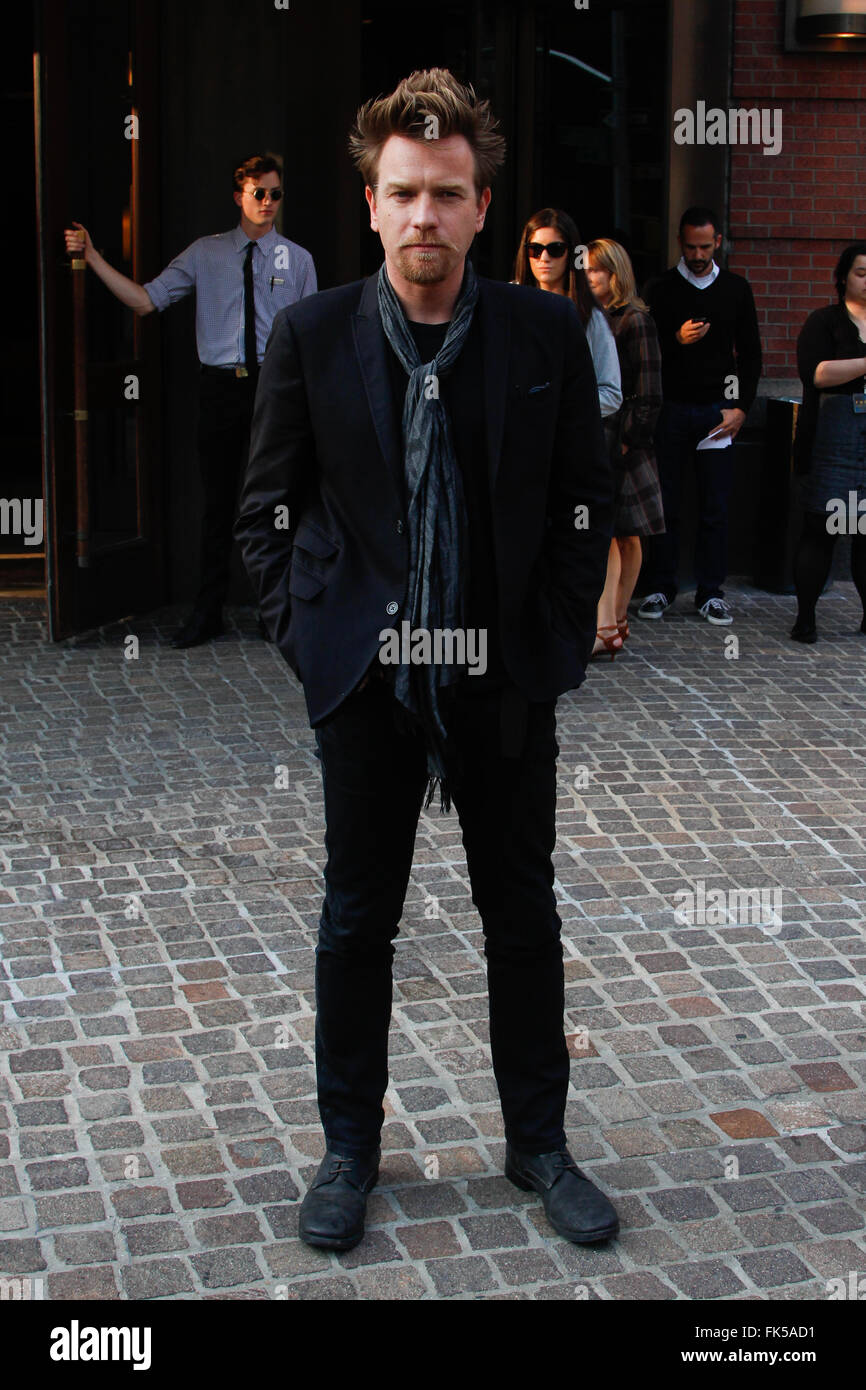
x,y
790,214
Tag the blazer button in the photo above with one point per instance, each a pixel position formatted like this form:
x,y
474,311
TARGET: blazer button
x,y
399,528
392,608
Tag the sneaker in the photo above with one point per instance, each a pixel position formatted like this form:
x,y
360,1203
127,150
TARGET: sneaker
x,y
715,610
653,606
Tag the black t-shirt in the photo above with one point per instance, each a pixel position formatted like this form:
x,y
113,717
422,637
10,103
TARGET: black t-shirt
x,y
462,392
828,335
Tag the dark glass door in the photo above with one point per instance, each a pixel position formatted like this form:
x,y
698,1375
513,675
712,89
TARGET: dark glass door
x,y
580,96
22,548
599,129
96,89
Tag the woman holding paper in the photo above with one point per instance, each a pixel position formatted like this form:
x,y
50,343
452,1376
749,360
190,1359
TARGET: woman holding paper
x,y
830,447
638,504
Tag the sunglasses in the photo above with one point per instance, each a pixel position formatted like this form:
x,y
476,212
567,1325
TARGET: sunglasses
x,y
260,193
554,249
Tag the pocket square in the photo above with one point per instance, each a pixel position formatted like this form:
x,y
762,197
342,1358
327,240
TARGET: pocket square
x,y
523,393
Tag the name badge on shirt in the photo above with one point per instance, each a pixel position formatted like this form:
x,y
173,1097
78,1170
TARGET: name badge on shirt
x,y
859,404
277,280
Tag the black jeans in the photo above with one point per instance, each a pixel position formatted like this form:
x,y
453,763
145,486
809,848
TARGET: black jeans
x,y
680,427
225,413
374,775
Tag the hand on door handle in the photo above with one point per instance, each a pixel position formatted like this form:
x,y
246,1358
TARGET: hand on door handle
x,y
78,243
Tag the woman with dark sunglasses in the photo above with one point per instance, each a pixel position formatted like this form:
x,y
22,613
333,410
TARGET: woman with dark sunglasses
x,y
546,257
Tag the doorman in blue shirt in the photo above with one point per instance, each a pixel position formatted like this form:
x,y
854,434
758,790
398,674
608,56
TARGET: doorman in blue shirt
x,y
240,279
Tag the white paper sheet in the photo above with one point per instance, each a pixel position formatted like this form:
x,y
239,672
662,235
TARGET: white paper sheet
x,y
711,443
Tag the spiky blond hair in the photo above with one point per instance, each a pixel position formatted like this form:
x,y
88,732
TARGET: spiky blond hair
x,y
432,93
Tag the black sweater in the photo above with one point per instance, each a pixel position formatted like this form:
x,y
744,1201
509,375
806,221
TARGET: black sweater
x,y
732,347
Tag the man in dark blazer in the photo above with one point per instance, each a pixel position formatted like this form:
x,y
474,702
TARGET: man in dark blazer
x,y
427,475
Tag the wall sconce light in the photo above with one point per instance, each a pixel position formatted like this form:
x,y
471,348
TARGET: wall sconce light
x,y
828,25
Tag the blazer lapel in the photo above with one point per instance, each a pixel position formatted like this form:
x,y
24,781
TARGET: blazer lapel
x,y
371,349
496,327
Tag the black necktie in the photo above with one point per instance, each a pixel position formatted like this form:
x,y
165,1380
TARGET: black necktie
x,y
250,356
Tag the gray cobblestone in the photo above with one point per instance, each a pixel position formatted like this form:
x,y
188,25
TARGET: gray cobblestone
x,y
156,1279
154,1238
141,1201
46,1177
104,1105
88,1282
71,1209
154,1042
12,1216
810,1186
770,1268
639,1287
21,1257
85,1247
494,1232
209,1193
41,1112
464,1274
701,1279
834,1217
220,1269
276,1186
242,1228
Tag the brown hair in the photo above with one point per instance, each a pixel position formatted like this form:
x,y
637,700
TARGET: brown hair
x,y
253,168
434,94
613,258
577,285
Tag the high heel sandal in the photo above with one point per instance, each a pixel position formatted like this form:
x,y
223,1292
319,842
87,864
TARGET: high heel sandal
x,y
622,627
608,642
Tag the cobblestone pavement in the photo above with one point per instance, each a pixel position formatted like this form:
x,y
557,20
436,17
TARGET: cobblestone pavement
x,y
162,851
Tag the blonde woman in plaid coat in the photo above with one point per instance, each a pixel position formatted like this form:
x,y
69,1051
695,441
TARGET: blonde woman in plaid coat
x,y
638,506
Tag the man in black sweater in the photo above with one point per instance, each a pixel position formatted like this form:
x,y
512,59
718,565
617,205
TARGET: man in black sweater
x,y
711,362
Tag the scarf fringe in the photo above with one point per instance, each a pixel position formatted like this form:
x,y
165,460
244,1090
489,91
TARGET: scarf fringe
x,y
435,783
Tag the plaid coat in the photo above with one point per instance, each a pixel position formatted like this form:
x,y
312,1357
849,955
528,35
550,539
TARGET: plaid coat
x,y
638,505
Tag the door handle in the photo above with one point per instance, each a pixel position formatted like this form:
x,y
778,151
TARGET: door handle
x,y
79,414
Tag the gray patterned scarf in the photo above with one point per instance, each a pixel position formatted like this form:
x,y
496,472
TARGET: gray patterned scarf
x,y
438,521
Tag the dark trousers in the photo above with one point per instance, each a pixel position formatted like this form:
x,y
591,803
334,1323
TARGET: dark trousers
x,y
374,775
225,412
680,427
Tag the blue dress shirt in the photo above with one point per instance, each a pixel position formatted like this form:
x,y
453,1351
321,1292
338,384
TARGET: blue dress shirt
x,y
213,267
